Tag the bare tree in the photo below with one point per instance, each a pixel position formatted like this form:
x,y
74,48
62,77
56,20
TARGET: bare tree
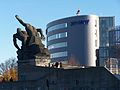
x,y
8,69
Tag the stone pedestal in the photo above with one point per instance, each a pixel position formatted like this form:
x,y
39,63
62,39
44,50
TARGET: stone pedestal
x,y
24,66
42,61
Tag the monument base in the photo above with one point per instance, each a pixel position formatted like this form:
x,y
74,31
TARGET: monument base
x,y
24,66
38,61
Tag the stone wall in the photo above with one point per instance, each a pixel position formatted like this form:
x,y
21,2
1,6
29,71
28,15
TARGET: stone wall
x,y
92,78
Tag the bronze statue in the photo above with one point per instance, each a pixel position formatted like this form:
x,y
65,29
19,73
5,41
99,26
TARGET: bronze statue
x,y
32,32
20,35
31,39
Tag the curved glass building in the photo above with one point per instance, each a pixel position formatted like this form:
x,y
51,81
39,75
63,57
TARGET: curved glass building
x,y
74,38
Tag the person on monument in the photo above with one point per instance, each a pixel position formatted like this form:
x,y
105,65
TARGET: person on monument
x,y
32,32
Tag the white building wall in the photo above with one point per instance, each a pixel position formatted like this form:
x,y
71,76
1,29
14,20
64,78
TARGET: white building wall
x,y
92,39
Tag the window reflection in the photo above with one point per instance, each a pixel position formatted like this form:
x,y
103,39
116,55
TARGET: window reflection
x,y
57,36
59,54
57,45
58,26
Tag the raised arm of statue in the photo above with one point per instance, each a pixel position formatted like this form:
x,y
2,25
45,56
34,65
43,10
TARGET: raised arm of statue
x,y
41,33
20,20
15,41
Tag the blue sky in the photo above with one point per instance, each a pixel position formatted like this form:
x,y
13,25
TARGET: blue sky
x,y
40,12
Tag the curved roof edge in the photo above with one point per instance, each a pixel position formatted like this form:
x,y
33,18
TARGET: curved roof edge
x,y
72,17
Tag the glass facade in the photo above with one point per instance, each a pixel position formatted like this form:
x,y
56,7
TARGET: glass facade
x,y
114,48
114,41
57,45
104,52
58,26
114,37
59,54
104,55
105,24
57,36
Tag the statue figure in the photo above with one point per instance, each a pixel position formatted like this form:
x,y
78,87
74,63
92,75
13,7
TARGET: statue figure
x,y
20,35
31,39
32,32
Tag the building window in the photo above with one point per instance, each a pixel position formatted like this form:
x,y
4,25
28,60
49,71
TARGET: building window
x,y
58,26
96,43
96,32
57,36
59,54
95,23
57,45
